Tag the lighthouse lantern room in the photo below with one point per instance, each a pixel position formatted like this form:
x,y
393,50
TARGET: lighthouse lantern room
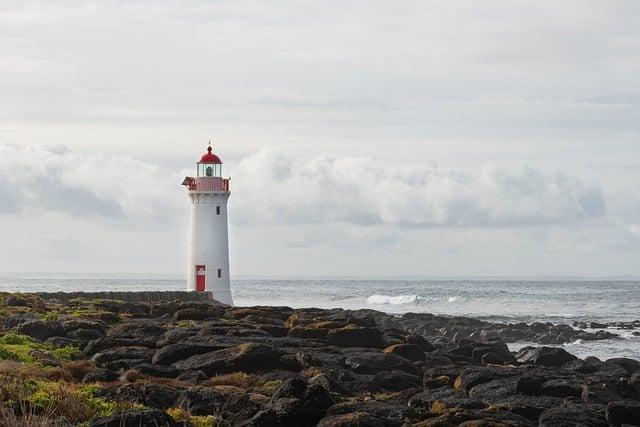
x,y
208,268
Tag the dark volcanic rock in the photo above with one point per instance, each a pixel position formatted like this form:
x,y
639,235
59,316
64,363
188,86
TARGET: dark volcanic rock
x,y
152,417
123,353
101,344
544,356
174,352
396,380
101,375
354,419
629,365
198,313
623,413
371,363
408,351
250,357
136,330
40,329
573,415
354,336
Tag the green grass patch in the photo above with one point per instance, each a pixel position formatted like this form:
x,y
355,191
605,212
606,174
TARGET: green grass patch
x,y
22,348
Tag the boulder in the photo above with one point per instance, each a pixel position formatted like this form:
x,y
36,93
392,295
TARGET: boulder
x,y
472,376
623,413
561,388
202,400
136,330
308,333
355,336
174,352
40,330
629,365
573,415
408,351
249,357
372,363
123,353
544,356
105,343
396,380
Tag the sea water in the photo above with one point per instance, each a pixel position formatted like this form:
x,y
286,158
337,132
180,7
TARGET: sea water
x,y
491,300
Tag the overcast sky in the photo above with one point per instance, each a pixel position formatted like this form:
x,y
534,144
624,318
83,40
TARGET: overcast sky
x,y
368,138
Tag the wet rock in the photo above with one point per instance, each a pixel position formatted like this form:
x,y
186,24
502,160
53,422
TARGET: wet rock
x,y
408,351
544,356
623,413
355,336
174,352
250,357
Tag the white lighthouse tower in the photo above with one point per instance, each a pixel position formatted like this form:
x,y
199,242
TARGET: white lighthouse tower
x,y
208,269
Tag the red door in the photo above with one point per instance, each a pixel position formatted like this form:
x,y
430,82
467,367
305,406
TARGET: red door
x,y
200,278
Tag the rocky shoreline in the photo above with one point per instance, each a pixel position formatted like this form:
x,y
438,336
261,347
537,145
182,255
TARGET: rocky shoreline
x,y
102,362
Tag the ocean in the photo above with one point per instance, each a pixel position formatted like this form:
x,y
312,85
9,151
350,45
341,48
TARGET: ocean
x,y
492,300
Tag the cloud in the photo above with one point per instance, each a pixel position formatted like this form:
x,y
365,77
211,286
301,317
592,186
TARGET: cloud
x,y
274,189
54,179
270,188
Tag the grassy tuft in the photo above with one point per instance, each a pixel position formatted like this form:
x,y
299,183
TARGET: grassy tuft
x,y
22,348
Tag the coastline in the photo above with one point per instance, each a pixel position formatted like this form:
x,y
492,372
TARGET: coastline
x,y
192,362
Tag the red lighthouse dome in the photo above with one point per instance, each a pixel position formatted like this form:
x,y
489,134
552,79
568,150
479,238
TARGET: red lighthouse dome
x,y
209,157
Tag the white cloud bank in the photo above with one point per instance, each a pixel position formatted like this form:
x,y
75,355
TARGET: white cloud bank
x,y
271,189
53,179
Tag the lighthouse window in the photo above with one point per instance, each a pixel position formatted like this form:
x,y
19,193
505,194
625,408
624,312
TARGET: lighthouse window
x,y
217,210
209,171
219,273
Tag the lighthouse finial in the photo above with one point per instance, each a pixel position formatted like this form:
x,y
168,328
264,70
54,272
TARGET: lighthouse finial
x,y
209,147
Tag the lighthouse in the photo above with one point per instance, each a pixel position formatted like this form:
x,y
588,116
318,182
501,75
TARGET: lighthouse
x,y
208,268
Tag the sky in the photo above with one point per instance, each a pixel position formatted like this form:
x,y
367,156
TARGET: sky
x,y
415,138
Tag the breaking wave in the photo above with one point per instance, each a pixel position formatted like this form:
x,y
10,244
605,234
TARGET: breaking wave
x,y
394,300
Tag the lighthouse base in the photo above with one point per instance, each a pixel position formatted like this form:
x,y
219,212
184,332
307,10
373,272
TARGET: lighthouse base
x,y
221,295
